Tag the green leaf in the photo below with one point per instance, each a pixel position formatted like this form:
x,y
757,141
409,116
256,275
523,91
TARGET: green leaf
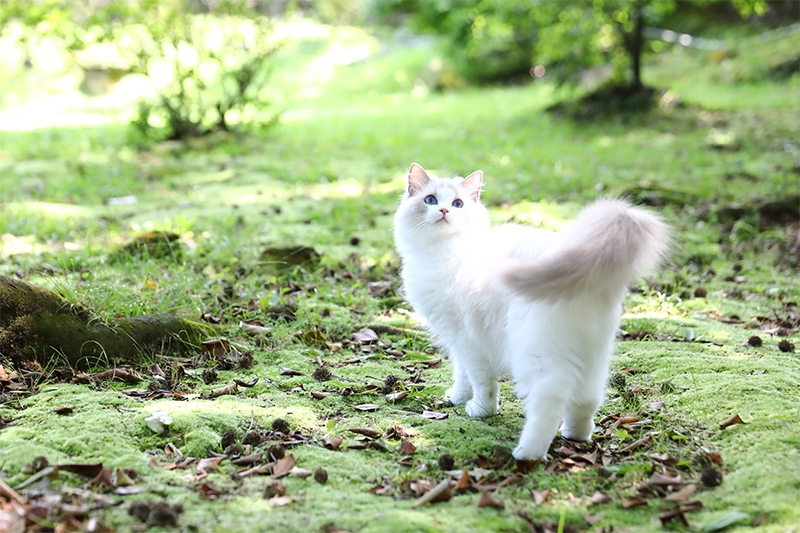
x,y
417,356
622,434
725,521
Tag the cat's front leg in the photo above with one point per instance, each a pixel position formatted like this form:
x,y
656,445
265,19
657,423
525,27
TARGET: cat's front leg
x,y
485,396
461,391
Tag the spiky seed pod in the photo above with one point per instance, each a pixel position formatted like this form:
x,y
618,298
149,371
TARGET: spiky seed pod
x,y
446,462
209,376
711,477
276,451
322,374
227,438
700,292
276,488
786,346
280,424
755,341
321,475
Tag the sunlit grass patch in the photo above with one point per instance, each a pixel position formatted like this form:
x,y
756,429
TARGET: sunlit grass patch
x,y
329,177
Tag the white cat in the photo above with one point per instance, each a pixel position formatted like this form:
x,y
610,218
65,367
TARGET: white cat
x,y
542,306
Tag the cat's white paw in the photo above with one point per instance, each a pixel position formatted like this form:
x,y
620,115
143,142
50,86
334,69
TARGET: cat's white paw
x,y
522,453
480,410
457,397
583,434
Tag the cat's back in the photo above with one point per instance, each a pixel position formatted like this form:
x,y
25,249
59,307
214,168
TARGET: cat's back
x,y
516,240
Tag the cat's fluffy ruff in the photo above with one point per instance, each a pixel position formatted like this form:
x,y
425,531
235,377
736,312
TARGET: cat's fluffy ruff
x,y
542,306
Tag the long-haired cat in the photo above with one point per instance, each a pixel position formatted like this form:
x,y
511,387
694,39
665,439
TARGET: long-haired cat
x,y
542,306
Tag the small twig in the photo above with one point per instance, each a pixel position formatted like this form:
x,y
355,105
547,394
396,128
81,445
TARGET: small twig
x,y
432,494
636,444
10,493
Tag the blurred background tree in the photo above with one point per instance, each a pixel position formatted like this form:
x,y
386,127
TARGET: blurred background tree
x,y
208,62
486,40
504,40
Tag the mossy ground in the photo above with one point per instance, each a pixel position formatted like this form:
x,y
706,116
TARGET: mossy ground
x,y
329,177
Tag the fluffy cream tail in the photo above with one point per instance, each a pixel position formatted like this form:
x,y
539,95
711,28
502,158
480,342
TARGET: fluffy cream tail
x,y
610,245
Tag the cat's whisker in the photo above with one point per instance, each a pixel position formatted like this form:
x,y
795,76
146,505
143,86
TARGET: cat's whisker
x,y
411,230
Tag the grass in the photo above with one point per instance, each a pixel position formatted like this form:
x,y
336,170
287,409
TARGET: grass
x,y
329,177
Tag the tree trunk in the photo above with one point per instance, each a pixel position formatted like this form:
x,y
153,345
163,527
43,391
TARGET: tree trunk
x,y
37,324
637,44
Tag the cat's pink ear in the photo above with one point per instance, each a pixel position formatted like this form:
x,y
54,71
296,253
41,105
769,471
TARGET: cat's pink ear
x,y
417,179
473,183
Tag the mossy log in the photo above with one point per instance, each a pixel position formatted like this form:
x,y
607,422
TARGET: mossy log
x,y
38,324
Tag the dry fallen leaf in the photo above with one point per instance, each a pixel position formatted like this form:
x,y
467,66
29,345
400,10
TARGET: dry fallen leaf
x,y
283,466
231,389
539,497
301,472
627,503
368,432
254,330
592,519
463,481
407,447
217,348
209,463
367,407
598,498
682,495
735,419
365,336
82,469
280,501
209,491
396,396
487,501
434,415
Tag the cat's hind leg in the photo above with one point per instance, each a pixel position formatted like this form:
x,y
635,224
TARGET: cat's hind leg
x,y
578,421
461,391
581,407
545,401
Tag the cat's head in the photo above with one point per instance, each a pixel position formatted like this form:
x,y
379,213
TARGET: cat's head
x,y
436,208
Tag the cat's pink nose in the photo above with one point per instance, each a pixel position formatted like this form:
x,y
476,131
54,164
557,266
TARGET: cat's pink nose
x,y
444,211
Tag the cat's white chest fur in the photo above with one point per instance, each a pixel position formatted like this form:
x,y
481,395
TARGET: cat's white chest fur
x,y
542,307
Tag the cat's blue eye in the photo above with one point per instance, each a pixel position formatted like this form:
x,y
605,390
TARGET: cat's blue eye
x,y
431,200
458,203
